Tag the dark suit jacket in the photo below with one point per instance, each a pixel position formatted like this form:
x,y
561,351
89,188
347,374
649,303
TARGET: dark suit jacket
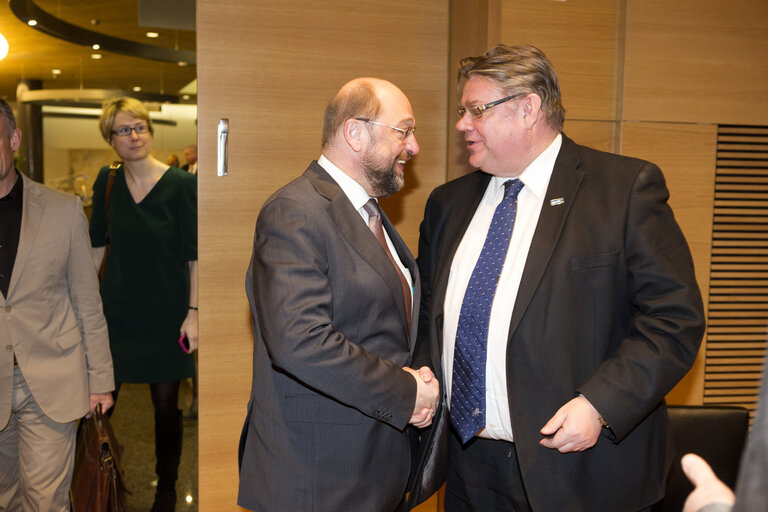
x,y
608,306
330,401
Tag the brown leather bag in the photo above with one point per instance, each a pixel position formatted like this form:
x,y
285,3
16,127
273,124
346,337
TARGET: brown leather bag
x,y
107,195
97,482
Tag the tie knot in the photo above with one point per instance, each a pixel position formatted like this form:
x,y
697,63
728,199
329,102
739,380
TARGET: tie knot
x,y
512,188
372,208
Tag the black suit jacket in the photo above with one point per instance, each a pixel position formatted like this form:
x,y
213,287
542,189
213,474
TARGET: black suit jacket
x,y
330,401
608,306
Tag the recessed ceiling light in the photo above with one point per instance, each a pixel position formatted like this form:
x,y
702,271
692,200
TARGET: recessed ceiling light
x,y
32,23
136,88
185,97
55,72
96,46
96,56
181,63
153,35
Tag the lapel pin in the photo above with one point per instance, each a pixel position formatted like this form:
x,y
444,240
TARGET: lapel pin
x,y
557,201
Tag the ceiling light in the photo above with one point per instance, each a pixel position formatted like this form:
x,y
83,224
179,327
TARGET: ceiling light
x,y
96,56
185,97
153,35
32,23
96,46
3,47
55,72
181,64
136,88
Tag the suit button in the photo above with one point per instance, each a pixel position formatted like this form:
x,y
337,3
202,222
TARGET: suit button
x,y
9,348
8,309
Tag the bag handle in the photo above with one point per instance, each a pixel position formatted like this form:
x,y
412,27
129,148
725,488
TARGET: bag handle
x,y
108,194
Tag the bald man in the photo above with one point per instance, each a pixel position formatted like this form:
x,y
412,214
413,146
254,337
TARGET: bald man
x,y
332,289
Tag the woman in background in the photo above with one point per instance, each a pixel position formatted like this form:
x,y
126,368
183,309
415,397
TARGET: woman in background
x,y
149,287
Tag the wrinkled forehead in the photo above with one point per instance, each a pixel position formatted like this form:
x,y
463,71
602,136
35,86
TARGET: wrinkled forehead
x,y
478,90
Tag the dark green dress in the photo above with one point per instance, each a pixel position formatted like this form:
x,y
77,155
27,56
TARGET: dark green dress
x,y
145,289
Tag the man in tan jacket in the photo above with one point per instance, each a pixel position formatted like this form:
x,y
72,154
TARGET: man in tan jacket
x,y
55,363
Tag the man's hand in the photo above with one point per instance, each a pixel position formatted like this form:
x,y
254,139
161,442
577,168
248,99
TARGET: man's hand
x,y
708,488
427,395
575,426
105,399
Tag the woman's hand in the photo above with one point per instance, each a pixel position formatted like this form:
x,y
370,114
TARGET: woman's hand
x,y
189,327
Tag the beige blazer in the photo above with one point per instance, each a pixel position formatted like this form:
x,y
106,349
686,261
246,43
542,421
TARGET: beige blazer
x,y
52,318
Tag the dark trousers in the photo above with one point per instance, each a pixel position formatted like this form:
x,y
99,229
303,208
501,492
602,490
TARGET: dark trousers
x,y
483,475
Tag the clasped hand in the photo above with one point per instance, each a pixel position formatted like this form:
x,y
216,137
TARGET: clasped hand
x,y
427,396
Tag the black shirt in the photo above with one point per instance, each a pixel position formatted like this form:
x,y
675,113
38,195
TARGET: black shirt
x,y
10,230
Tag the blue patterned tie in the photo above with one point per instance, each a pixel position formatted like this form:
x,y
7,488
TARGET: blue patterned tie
x,y
468,388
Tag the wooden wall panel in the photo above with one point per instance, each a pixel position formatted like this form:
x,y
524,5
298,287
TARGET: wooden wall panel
x,y
602,135
686,155
696,61
584,42
271,68
474,28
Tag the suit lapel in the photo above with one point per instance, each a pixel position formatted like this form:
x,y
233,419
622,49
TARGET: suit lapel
x,y
410,263
33,205
564,184
351,225
462,210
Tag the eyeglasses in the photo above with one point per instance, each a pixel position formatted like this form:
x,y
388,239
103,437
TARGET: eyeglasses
x,y
476,111
402,133
125,131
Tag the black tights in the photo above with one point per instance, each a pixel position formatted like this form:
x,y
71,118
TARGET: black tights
x,y
168,434
165,399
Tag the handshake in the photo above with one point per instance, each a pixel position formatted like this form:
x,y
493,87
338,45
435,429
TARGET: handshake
x,y
427,396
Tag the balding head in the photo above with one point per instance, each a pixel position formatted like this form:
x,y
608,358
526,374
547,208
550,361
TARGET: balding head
x,y
359,98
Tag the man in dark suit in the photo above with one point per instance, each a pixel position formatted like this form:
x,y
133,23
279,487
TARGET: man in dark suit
x,y
55,365
331,287
564,300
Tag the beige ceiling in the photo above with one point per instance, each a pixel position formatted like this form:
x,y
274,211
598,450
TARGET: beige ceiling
x,y
33,54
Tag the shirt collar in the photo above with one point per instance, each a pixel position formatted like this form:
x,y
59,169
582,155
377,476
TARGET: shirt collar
x,y
536,176
352,189
16,192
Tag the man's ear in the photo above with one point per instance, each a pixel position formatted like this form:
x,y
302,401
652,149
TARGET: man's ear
x,y
15,139
531,108
353,134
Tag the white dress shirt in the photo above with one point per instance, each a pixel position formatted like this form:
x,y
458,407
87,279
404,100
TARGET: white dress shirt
x,y
358,197
535,177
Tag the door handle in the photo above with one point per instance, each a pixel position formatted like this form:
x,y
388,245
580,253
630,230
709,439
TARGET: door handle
x,y
223,150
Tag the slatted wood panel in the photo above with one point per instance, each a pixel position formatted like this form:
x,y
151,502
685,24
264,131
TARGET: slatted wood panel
x,y
738,303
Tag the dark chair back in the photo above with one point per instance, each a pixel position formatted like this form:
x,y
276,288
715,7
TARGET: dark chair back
x,y
716,433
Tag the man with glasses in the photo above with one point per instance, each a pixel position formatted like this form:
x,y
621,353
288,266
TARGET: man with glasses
x,y
560,305
332,289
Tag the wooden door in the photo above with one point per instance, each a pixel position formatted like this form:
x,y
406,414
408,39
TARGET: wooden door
x,y
270,68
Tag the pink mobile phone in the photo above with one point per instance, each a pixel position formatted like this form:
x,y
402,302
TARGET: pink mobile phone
x,y
184,342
